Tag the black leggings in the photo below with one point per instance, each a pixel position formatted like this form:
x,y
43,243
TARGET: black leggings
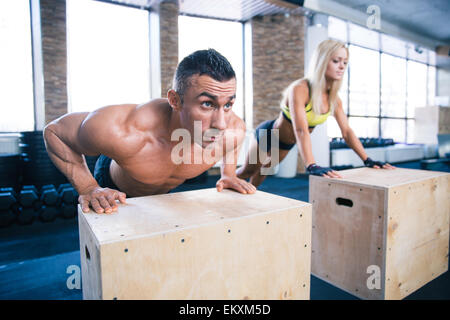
x,y
101,173
268,125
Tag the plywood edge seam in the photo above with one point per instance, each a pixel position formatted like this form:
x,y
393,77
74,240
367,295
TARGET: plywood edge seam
x,y
356,184
385,244
207,224
351,183
86,222
444,174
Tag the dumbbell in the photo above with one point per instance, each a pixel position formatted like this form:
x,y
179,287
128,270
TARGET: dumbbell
x,y
28,197
25,215
30,187
68,195
28,204
68,211
6,202
7,199
49,195
50,200
69,200
63,185
9,189
48,213
8,206
7,217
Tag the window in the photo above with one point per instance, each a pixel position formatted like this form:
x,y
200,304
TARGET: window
x,y
393,46
393,86
224,36
16,67
337,29
416,86
343,93
387,79
364,127
364,65
393,129
363,36
431,85
108,55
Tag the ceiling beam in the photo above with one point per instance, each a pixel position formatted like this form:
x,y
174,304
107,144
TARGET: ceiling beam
x,y
358,17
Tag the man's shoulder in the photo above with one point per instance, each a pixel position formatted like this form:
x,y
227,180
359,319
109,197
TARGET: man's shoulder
x,y
131,126
234,133
151,114
158,107
236,123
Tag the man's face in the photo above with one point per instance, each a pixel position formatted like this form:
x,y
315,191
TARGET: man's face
x,y
210,102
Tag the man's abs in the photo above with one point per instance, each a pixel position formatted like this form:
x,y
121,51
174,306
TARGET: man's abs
x,y
141,186
156,180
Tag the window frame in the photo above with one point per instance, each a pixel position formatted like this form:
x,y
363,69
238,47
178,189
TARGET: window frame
x,y
35,56
380,51
152,78
247,61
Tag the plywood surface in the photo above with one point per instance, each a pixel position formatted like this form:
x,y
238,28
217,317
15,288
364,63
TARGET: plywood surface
x,y
144,216
417,235
347,240
264,256
383,178
398,221
90,261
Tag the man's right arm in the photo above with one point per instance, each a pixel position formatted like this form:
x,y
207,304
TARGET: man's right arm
x,y
66,144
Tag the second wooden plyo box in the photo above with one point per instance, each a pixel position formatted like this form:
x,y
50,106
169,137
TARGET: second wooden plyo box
x,y
380,234
199,244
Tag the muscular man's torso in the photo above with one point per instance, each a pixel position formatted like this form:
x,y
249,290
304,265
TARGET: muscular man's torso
x,y
152,172
149,168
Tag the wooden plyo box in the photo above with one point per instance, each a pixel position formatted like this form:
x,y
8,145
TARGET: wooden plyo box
x,y
380,234
199,244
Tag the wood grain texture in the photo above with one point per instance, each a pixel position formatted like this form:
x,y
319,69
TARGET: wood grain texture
x,y
398,221
378,178
347,240
142,216
90,260
203,245
417,235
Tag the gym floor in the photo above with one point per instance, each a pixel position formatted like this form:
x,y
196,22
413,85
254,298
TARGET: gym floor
x,y
34,259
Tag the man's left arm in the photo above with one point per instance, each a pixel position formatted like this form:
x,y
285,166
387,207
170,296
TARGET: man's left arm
x,y
228,179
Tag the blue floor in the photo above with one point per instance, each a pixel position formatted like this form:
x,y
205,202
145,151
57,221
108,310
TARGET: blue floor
x,y
41,261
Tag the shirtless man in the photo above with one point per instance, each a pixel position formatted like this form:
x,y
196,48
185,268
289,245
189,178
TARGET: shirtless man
x,y
135,141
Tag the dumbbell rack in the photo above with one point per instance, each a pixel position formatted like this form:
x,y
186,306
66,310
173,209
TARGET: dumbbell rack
x,y
30,204
32,188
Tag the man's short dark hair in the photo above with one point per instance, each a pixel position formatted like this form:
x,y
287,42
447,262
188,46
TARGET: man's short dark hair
x,y
202,62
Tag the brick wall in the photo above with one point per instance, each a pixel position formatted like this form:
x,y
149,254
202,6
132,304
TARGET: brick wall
x,y
168,20
278,50
278,59
54,53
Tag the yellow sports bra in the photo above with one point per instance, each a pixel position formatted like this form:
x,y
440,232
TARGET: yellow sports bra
x,y
313,119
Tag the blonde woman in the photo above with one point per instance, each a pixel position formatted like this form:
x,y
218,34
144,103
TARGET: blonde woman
x,y
307,103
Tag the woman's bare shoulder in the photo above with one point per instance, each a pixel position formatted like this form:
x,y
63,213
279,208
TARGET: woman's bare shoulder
x,y
300,90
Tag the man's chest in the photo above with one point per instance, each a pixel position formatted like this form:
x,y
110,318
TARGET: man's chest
x,y
160,165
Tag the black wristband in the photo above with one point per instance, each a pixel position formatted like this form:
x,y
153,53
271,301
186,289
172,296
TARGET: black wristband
x,y
314,169
370,163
